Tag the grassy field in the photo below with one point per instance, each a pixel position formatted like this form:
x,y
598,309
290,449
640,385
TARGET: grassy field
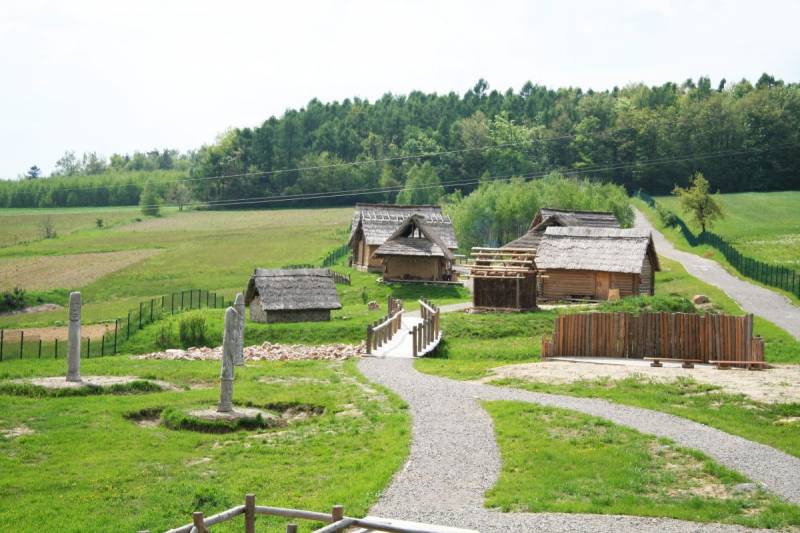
x,y
764,226
561,461
84,466
211,250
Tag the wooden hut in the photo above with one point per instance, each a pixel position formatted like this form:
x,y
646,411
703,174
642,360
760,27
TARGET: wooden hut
x,y
503,278
374,223
291,295
547,217
415,252
585,263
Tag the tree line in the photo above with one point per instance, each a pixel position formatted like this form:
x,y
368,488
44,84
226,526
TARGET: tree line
x,y
742,136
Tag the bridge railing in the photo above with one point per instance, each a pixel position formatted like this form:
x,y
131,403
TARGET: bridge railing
x,y
382,331
428,333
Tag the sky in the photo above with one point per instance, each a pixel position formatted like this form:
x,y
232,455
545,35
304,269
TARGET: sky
x,y
115,77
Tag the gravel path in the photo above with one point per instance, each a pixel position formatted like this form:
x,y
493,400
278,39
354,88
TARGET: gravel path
x,y
754,299
454,456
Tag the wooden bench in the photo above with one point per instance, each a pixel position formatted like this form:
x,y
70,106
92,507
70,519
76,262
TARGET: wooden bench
x,y
749,365
685,363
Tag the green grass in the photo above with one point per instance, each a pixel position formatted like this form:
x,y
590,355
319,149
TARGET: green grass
x,y
737,414
764,226
561,461
87,467
475,343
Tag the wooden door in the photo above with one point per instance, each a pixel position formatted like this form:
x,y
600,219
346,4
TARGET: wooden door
x,y
602,281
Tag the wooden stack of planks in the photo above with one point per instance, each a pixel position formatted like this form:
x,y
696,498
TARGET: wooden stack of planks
x,y
719,339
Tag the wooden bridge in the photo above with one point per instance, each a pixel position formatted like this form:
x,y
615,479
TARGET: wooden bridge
x,y
405,334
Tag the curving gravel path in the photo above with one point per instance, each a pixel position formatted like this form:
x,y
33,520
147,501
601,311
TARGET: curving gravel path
x,y
754,299
454,456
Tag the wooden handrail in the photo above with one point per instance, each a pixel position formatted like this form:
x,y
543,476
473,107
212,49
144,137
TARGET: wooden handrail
x,y
382,332
336,521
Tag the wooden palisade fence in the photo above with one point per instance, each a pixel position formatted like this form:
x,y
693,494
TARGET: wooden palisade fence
x,y
428,331
773,275
336,521
382,331
16,345
722,339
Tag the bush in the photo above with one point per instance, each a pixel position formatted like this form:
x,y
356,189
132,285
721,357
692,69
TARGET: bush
x,y
192,330
165,337
636,304
12,300
668,218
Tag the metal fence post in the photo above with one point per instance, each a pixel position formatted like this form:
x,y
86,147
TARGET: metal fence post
x,y
116,328
21,340
55,351
40,347
2,340
88,347
128,335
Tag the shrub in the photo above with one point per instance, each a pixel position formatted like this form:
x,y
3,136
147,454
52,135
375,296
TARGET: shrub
x,y
192,330
12,300
636,304
668,218
165,337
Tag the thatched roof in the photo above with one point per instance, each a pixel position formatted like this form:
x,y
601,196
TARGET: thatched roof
x,y
293,289
547,217
600,249
379,221
414,237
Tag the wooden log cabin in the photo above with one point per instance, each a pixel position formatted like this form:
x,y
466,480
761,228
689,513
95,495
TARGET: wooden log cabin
x,y
585,263
291,295
373,224
415,252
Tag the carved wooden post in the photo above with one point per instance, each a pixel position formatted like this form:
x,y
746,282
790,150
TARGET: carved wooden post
x,y
250,513
74,340
226,374
238,355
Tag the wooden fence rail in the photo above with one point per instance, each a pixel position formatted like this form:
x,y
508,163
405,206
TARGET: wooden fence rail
x,y
336,521
705,338
382,331
429,331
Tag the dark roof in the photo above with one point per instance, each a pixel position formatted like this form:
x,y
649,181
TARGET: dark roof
x,y
599,249
547,217
414,237
379,221
293,289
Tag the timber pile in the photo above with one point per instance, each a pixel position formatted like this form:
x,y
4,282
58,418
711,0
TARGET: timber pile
x,y
265,352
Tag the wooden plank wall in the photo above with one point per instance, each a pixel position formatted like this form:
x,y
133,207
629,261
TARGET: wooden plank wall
x,y
668,335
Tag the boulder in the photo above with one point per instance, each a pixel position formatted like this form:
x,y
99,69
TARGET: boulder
x,y
698,299
373,306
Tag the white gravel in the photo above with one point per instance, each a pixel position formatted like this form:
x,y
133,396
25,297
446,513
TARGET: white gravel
x,y
454,456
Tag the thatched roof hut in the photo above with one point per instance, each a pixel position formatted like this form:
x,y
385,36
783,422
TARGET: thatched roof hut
x,y
547,217
373,224
291,295
415,251
582,262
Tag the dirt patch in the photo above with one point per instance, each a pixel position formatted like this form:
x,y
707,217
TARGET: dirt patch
x,y
691,479
780,384
60,382
146,418
18,431
65,271
93,331
33,309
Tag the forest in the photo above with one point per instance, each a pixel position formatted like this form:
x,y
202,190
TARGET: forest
x,y
418,147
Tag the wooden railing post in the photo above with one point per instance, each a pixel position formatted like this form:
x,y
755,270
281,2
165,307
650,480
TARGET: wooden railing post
x,y
414,349
291,528
199,523
337,513
250,513
369,340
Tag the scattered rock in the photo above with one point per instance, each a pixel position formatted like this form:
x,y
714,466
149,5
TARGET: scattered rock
x,y
266,352
745,487
788,420
698,299
201,461
373,306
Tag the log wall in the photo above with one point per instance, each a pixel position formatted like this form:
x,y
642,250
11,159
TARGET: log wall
x,y
668,335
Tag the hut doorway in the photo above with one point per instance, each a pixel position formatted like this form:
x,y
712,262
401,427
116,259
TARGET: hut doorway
x,y
602,283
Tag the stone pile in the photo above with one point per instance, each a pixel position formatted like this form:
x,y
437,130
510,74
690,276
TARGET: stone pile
x,y
266,352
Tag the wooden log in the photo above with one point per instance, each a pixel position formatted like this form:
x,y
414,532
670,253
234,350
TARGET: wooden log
x,y
293,513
